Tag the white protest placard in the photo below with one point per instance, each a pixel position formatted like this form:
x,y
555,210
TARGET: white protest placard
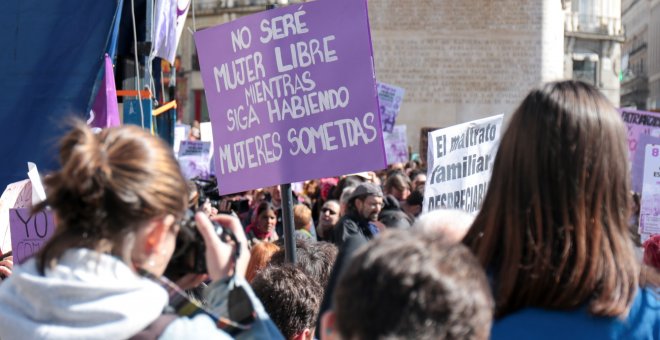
x,y
180,133
460,161
389,102
396,145
206,135
194,159
38,192
649,214
16,195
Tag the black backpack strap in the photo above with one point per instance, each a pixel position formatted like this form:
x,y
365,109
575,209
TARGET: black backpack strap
x,y
156,328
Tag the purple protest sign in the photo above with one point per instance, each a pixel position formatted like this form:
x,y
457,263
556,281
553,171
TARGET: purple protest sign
x,y
292,95
29,233
639,123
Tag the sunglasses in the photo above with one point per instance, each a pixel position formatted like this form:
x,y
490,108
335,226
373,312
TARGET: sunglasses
x,y
327,210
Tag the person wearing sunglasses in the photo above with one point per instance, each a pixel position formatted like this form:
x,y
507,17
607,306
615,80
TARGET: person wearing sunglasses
x,y
327,221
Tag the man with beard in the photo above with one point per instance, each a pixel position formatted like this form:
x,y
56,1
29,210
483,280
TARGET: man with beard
x,y
363,208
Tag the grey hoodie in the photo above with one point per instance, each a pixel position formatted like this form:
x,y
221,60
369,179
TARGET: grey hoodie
x,y
89,295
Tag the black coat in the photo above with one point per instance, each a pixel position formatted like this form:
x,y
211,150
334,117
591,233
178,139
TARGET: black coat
x,y
352,225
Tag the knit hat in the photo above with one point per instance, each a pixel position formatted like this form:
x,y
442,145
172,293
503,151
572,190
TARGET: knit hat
x,y
366,189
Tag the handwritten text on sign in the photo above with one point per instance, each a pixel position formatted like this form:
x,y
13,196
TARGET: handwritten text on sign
x,y
460,162
29,232
649,222
292,95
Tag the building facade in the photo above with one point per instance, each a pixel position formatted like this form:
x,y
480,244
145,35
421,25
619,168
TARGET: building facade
x,y
653,101
635,16
592,43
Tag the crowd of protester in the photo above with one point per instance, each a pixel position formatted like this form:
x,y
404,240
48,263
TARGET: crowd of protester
x,y
551,254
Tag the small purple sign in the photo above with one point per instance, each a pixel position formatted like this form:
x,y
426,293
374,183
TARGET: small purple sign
x,y
292,95
29,232
639,123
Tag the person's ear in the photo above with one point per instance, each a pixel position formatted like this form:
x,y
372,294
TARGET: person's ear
x,y
158,231
328,331
306,334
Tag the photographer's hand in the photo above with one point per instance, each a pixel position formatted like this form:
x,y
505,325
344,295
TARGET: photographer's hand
x,y
6,265
220,255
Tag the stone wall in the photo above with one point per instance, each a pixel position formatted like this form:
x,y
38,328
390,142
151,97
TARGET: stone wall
x,y
460,60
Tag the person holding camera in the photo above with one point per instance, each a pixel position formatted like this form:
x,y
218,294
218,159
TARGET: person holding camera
x,y
117,200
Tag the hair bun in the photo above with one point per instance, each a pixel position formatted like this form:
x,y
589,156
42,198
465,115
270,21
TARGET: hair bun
x,y
85,164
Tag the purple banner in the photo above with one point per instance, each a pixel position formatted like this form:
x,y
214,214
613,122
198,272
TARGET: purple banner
x,y
639,123
29,232
292,95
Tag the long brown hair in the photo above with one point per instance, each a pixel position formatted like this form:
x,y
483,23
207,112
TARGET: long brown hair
x,y
553,228
109,185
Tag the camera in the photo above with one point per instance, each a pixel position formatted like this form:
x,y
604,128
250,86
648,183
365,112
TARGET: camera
x,y
190,251
207,192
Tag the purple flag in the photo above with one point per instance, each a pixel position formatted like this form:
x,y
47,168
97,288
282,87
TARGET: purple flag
x,y
105,111
292,95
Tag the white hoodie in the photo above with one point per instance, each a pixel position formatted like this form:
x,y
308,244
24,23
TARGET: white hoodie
x,y
87,295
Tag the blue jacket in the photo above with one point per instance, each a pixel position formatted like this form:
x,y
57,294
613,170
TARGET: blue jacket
x,y
643,322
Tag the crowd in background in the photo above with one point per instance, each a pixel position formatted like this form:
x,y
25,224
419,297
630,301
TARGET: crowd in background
x,y
551,254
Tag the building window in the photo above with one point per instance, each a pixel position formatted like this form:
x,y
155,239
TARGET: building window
x,y
585,70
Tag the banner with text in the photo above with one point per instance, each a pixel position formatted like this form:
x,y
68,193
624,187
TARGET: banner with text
x,y
649,214
460,161
292,95
389,101
639,123
29,232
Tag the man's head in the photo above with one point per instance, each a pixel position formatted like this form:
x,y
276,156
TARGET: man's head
x,y
409,285
413,204
291,299
448,224
398,186
343,200
315,259
367,201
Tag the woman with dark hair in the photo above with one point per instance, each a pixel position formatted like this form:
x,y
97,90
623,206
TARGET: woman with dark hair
x,y
553,229
117,200
263,227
